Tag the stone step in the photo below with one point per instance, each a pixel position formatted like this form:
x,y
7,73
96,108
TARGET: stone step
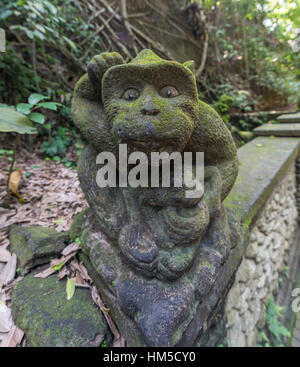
x,y
289,117
284,130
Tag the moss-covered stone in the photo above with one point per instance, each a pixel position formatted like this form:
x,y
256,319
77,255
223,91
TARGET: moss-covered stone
x,y
284,129
77,225
40,308
35,245
257,180
156,252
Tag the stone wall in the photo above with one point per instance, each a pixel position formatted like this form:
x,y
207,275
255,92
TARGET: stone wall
x,y
257,277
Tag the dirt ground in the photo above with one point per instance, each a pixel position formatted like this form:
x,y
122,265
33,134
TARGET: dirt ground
x,y
50,196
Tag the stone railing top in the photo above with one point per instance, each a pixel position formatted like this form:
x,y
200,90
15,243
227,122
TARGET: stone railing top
x,y
286,129
258,176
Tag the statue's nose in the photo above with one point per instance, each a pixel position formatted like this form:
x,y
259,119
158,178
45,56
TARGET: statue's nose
x,y
149,108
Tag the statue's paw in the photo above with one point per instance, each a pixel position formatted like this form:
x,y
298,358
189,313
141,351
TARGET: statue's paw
x,y
137,246
163,197
100,63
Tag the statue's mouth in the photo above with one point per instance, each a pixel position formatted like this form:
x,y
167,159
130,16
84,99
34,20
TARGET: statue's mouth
x,y
147,145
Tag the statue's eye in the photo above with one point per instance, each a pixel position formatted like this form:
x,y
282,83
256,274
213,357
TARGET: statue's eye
x,y
131,94
169,92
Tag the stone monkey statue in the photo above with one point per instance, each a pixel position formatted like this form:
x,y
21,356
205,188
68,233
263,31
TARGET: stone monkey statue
x,y
152,105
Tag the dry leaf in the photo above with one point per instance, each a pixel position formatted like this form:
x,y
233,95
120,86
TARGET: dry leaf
x,y
70,248
53,266
79,280
3,176
96,298
82,271
4,255
7,274
6,322
14,182
63,272
119,343
11,284
13,338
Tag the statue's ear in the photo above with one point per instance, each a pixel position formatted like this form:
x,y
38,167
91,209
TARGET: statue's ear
x,y
190,65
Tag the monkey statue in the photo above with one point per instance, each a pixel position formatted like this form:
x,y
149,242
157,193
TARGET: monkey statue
x,y
155,251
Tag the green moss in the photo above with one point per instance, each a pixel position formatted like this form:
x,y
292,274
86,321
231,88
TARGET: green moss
x,y
41,309
35,245
78,225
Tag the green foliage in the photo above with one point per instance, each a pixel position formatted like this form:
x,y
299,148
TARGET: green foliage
x,y
256,50
26,114
222,106
50,42
103,344
239,99
44,49
277,332
13,121
58,143
286,271
60,139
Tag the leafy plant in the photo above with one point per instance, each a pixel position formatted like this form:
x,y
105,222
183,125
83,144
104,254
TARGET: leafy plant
x,y
35,103
13,121
58,142
277,332
104,344
222,106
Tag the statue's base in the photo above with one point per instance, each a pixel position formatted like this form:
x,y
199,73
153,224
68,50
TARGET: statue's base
x,y
148,311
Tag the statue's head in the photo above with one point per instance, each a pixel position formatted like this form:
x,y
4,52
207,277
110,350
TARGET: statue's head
x,y
150,103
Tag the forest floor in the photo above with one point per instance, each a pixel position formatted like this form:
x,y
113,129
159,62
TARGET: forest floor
x,y
50,196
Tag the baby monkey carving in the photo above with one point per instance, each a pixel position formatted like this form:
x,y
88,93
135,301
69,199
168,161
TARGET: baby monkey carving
x,y
152,105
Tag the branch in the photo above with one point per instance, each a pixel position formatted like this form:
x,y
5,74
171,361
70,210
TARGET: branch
x,y
204,55
127,24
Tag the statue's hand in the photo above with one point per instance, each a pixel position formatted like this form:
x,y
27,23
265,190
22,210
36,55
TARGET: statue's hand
x,y
99,64
167,196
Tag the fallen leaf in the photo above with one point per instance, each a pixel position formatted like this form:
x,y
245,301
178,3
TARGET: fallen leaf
x,y
80,280
70,288
7,274
6,322
96,298
58,267
64,272
119,343
81,270
4,255
14,182
70,248
55,265
11,284
3,176
13,338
